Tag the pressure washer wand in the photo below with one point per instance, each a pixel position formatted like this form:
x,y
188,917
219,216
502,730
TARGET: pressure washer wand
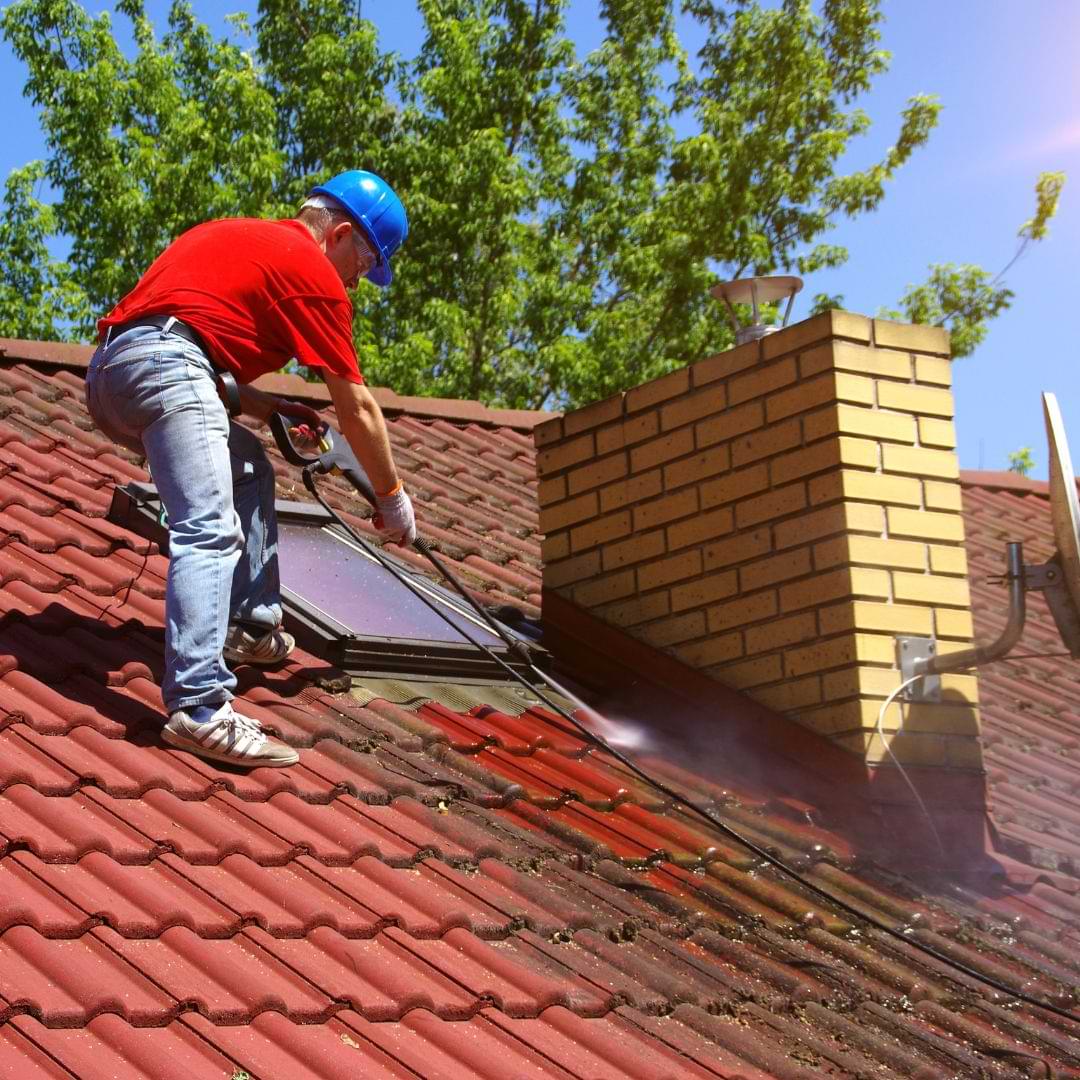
x,y
336,456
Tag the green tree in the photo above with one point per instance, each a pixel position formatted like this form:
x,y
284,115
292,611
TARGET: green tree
x,y
1021,461
563,237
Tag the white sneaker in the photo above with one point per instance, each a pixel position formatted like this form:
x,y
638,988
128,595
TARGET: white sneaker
x,y
243,647
228,736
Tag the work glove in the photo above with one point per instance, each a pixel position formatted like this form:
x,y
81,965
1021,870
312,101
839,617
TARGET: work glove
x,y
394,517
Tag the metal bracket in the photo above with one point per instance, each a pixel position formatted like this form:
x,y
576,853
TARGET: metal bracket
x,y
914,654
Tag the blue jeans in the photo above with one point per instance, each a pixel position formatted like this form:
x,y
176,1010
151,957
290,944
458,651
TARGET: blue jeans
x,y
156,394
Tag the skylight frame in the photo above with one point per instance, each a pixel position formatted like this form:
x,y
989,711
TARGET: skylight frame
x,y
137,506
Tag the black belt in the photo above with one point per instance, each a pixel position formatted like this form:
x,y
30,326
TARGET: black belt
x,y
225,380
180,329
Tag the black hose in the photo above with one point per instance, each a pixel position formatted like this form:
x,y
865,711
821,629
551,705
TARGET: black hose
x,y
520,650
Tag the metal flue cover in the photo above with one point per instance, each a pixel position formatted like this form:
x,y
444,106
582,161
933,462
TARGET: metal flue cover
x,y
1064,506
756,291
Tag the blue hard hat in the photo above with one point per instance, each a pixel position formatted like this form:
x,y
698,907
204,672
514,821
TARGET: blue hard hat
x,y
371,201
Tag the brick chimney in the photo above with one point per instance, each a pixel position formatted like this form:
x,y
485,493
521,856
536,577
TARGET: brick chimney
x,y
774,516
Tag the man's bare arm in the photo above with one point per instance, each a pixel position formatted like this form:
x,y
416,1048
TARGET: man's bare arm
x,y
362,424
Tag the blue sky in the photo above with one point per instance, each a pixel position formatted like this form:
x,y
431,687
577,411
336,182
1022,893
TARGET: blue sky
x,y
1006,74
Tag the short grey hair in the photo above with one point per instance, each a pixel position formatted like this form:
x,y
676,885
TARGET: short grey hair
x,y
322,212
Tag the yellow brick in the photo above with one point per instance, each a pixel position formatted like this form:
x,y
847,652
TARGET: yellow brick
x,y
714,650
959,688
701,528
925,524
847,324
592,416
857,453
729,424
872,583
939,464
670,507
617,436
933,369
907,749
869,551
779,633
939,719
820,656
954,624
843,518
867,487
636,549
597,473
711,462
573,570
602,531
666,448
553,518
838,652
940,433
941,496
564,454
736,549
924,400
879,362
847,356
637,610
550,431
703,591
698,404
551,490
602,590
931,589
734,485
917,338
652,393
801,334
553,548
761,381
726,364
679,567
948,560
766,442
867,682
853,420
806,394
792,695
646,486
740,612
964,754
673,631
790,564
856,389
768,507
832,719
749,673
863,615
815,591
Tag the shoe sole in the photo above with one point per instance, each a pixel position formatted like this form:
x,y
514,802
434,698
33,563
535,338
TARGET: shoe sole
x,y
217,755
238,658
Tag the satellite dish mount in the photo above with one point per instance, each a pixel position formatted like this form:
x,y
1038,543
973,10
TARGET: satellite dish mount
x,y
1058,579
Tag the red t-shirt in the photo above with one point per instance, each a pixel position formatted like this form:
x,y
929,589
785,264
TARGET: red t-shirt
x,y
259,293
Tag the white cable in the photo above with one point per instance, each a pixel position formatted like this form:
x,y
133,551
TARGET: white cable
x,y
888,749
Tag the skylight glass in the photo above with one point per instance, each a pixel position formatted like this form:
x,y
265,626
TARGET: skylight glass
x,y
336,578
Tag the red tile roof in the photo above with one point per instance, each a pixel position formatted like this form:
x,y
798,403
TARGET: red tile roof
x,y
442,887
1030,706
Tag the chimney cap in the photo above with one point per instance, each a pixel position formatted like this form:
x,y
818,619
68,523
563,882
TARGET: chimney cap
x,y
741,290
756,291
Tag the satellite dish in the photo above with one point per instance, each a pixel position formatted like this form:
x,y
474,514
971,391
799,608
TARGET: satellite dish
x,y
1065,515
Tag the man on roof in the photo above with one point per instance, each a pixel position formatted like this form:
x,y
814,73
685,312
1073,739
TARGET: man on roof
x,y
244,297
